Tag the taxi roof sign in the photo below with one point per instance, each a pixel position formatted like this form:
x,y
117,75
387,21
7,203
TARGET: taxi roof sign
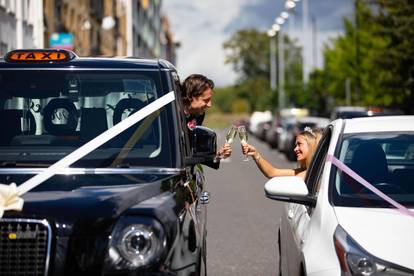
x,y
42,55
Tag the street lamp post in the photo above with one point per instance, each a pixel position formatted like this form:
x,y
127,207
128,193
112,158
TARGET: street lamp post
x,y
272,38
272,62
281,70
277,30
314,42
305,33
357,53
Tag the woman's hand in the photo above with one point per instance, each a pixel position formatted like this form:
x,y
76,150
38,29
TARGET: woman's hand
x,y
224,151
248,149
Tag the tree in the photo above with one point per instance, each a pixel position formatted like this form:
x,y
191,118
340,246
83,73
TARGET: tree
x,y
249,51
351,58
395,20
376,54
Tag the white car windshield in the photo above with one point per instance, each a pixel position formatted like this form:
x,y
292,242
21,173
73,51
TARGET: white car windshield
x,y
385,160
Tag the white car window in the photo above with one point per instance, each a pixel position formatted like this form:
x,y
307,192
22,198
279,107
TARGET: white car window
x,y
314,174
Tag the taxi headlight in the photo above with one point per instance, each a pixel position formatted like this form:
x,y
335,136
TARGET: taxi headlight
x,y
354,260
135,242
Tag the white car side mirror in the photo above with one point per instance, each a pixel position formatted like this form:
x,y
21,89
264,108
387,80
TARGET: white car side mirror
x,y
290,189
286,186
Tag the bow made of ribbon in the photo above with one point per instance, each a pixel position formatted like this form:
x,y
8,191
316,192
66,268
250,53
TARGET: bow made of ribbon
x,y
10,194
9,198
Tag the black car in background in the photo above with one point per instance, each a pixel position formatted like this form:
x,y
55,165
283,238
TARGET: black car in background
x,y
133,206
349,112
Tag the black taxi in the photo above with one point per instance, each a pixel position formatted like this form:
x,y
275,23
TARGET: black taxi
x,y
131,203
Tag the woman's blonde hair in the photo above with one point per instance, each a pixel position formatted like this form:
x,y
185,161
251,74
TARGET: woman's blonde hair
x,y
312,137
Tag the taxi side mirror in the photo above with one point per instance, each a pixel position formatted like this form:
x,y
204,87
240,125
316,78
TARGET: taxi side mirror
x,y
290,189
203,145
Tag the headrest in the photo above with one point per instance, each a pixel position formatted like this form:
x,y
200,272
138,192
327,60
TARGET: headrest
x,y
93,122
14,116
133,104
370,162
68,121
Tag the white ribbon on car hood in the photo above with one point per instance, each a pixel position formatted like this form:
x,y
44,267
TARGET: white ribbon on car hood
x,y
10,194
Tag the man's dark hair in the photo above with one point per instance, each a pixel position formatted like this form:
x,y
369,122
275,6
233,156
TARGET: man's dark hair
x,y
193,86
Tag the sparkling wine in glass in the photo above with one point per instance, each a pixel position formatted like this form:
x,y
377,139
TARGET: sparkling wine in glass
x,y
243,139
231,134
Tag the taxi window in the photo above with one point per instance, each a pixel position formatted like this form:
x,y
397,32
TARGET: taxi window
x,y
47,114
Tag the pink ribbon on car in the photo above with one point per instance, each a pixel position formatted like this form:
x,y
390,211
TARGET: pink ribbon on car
x,y
344,168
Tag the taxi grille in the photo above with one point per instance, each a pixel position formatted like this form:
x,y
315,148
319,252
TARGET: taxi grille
x,y
24,246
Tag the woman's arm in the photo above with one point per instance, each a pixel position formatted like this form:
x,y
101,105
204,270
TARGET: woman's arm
x,y
266,168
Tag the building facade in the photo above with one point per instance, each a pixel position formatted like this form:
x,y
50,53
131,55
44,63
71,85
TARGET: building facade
x,y
110,27
21,24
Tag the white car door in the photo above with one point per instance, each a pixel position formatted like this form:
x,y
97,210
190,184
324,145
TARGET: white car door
x,y
298,218
299,215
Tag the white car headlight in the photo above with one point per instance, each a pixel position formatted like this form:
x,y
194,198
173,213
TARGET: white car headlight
x,y
354,260
135,242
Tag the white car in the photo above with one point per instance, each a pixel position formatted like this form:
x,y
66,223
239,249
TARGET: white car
x,y
333,224
258,117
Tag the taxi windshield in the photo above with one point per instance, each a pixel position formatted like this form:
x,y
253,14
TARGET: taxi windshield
x,y
385,160
48,114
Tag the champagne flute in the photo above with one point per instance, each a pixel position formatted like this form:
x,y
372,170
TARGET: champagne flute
x,y
243,139
231,134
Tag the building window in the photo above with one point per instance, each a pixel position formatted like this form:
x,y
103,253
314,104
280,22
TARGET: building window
x,y
3,48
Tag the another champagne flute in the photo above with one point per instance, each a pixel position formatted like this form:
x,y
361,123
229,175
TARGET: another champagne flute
x,y
243,139
231,134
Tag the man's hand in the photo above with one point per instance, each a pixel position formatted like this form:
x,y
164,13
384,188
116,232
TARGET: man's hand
x,y
224,151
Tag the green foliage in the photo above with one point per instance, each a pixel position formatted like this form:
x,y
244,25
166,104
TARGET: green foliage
x,y
240,106
316,96
395,20
249,53
223,98
376,54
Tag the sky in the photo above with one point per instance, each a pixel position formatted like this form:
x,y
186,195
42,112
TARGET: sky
x,y
202,26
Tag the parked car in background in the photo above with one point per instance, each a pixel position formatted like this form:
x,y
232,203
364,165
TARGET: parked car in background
x,y
332,224
348,112
272,133
256,118
285,130
300,124
262,129
277,128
